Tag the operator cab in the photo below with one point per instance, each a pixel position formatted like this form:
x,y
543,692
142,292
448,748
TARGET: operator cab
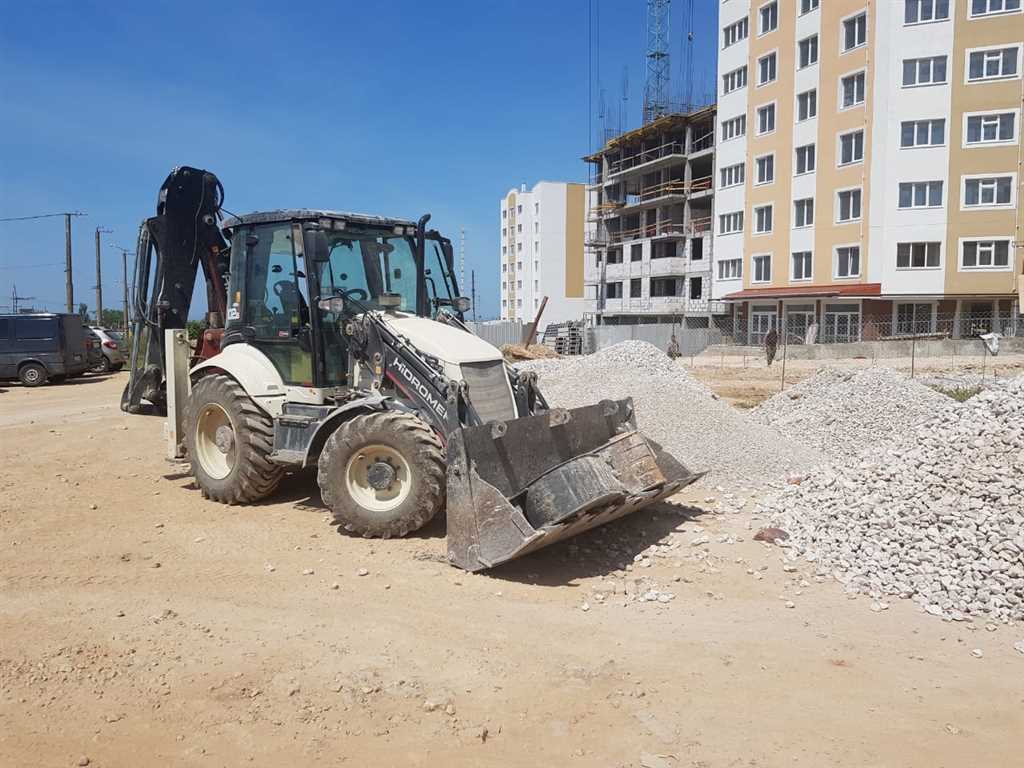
x,y
286,264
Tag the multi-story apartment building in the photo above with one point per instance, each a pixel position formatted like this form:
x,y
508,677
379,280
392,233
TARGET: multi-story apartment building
x,y
869,166
542,252
649,215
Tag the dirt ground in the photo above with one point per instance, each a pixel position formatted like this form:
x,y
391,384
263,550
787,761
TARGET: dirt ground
x,y
747,381
143,625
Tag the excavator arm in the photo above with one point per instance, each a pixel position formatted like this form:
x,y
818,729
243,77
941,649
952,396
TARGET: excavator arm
x,y
181,238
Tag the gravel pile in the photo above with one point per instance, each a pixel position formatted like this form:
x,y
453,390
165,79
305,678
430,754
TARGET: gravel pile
x,y
843,412
937,516
677,411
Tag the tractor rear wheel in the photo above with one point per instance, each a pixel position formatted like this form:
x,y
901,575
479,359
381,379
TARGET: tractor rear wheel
x,y
229,441
382,474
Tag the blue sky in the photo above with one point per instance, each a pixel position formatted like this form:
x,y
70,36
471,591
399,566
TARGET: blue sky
x,y
395,108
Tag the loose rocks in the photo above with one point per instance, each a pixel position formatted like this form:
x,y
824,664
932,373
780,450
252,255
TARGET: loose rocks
x,y
843,412
676,411
937,516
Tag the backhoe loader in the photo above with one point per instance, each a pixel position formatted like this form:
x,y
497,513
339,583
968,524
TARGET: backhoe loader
x,y
336,341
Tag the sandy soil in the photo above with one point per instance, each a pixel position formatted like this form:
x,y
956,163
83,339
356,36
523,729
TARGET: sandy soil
x,y
142,625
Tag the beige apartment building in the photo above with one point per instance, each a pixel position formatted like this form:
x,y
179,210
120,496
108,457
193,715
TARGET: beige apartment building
x,y
869,167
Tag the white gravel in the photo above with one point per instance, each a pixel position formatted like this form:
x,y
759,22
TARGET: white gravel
x,y
936,516
676,411
843,412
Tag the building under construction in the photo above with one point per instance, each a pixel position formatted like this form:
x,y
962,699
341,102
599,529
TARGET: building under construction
x,y
650,204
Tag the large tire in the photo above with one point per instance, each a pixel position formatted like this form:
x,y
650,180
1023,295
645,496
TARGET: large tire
x,y
405,497
32,375
229,441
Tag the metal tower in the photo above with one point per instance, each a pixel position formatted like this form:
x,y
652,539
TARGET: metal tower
x,y
656,88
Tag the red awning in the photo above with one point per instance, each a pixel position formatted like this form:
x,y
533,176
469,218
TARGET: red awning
x,y
856,290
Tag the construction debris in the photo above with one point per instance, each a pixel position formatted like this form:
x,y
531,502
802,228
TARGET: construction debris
x,y
678,412
516,352
936,516
842,412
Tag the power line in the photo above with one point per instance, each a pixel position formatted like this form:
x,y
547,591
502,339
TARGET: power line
x,y
43,216
33,266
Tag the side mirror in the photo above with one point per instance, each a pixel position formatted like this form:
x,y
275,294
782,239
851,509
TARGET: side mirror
x,y
335,304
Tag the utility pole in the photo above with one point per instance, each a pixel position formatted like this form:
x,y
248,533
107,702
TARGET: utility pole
x,y
15,298
69,285
99,277
124,277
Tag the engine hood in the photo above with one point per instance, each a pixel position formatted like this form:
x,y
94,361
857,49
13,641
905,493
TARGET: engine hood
x,y
440,340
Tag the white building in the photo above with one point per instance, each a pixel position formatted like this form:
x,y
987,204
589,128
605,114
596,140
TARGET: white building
x,y
542,252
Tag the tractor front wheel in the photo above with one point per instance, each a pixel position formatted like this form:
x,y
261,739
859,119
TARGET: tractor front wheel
x,y
229,441
382,474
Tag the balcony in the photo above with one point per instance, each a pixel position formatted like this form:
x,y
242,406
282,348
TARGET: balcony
x,y
672,265
646,157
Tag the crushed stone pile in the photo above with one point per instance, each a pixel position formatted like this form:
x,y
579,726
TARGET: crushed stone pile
x,y
936,516
678,412
843,412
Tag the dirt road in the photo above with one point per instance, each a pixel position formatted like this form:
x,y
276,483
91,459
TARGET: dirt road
x,y
143,625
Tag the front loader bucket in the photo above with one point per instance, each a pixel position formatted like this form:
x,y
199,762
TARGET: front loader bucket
x,y
519,485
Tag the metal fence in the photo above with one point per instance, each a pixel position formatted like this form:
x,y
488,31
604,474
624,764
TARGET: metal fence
x,y
845,327
499,332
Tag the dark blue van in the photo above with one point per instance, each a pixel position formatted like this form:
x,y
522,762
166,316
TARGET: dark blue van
x,y
38,348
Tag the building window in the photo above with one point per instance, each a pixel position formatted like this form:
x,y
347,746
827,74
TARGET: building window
x,y
768,17
734,127
766,119
851,147
917,11
504,232
921,194
806,6
734,80
504,285
926,71
519,284
613,290
803,212
762,268
914,317
807,104
855,31
636,252
802,265
918,255
504,268
504,213
988,191
732,175
536,227
922,133
851,90
985,254
536,265
519,228
765,169
736,32
519,246
519,209
536,208
848,205
519,303
991,128
664,286
635,288
807,50
519,266
730,269
730,223
767,68
805,159
762,219
993,64
536,246
696,287
848,261
504,250
990,7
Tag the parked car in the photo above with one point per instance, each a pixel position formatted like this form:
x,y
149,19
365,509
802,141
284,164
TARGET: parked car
x,y
112,346
37,348
93,350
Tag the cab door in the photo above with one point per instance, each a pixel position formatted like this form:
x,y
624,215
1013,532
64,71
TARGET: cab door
x,y
270,298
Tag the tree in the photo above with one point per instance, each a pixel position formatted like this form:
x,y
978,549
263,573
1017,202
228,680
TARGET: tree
x,y
113,318
83,310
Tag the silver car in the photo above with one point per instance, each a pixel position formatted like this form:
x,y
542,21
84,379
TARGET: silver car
x,y
112,347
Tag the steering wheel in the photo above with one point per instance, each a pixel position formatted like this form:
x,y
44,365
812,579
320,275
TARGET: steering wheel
x,y
357,293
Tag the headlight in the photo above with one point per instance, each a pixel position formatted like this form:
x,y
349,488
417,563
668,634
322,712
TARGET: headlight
x,y
462,304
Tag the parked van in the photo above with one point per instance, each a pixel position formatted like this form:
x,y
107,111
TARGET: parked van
x,y
38,348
